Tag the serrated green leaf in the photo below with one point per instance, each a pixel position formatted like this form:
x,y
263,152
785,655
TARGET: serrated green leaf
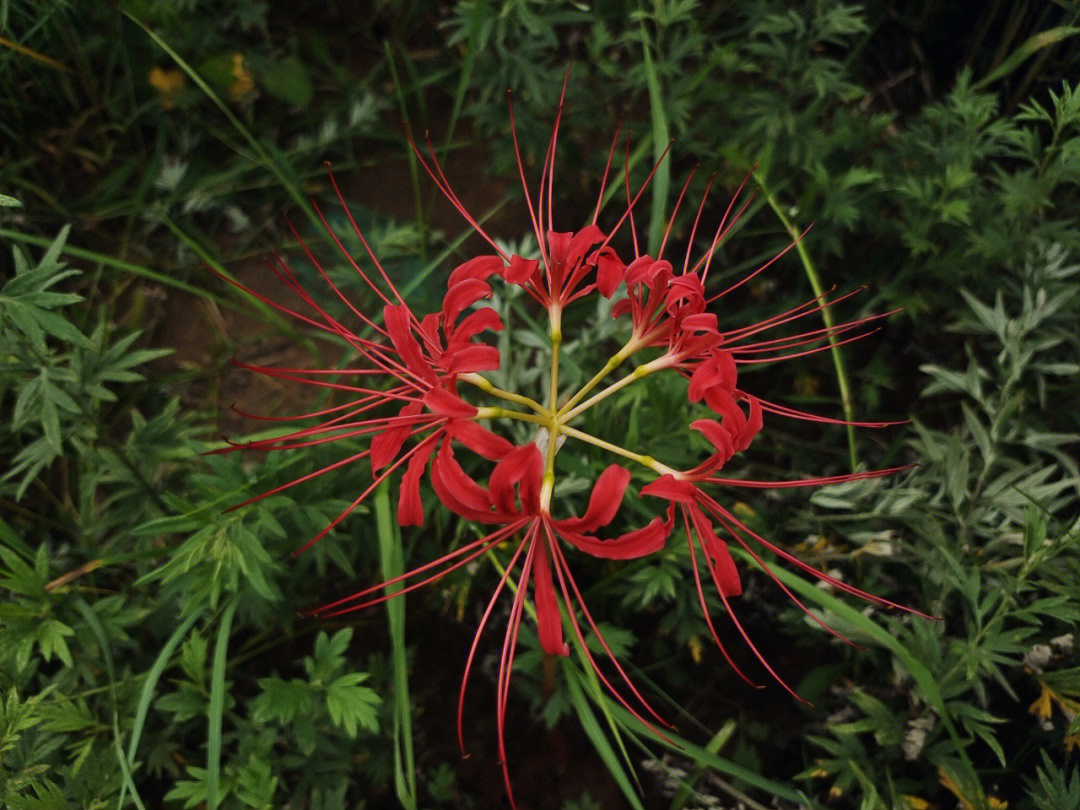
x,y
351,706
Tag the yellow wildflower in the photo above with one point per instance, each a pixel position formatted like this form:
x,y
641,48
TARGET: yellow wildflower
x,y
946,781
243,81
168,83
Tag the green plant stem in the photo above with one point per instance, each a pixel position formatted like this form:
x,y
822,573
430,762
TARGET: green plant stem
x,y
660,139
414,169
146,695
116,264
826,316
393,565
216,711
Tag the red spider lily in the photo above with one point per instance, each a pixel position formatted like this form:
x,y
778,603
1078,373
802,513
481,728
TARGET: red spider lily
x,y
512,499
413,410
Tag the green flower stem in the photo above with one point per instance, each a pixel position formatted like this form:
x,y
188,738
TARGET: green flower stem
x,y
486,386
644,370
647,461
548,486
506,413
826,316
613,363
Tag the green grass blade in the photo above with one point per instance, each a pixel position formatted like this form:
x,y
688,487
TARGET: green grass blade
x,y
702,757
216,711
596,735
116,264
713,746
94,622
1030,46
826,317
596,692
393,565
475,22
660,138
268,312
146,696
414,168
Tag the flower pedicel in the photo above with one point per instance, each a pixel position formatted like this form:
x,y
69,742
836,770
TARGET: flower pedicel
x,y
406,392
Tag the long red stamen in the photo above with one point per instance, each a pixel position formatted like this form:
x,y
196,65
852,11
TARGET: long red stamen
x,y
541,238
675,212
607,168
476,638
735,526
506,663
451,197
629,202
791,413
808,352
562,569
806,482
697,218
485,544
702,602
374,484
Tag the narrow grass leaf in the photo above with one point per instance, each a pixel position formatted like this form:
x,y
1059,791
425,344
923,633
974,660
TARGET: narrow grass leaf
x,y
596,735
94,623
1031,46
660,137
116,264
393,565
146,696
826,317
216,711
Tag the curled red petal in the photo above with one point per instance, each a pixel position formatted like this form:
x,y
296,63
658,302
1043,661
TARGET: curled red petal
x,y
580,244
429,327
385,446
609,271
525,466
559,245
475,323
548,617
718,436
471,357
717,370
463,295
641,269
458,492
479,439
752,427
642,542
725,574
520,270
482,268
396,318
671,488
726,368
705,376
410,511
604,502
700,322
724,404
442,402
685,287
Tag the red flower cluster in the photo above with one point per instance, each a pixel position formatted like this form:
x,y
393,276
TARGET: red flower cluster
x,y
405,392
